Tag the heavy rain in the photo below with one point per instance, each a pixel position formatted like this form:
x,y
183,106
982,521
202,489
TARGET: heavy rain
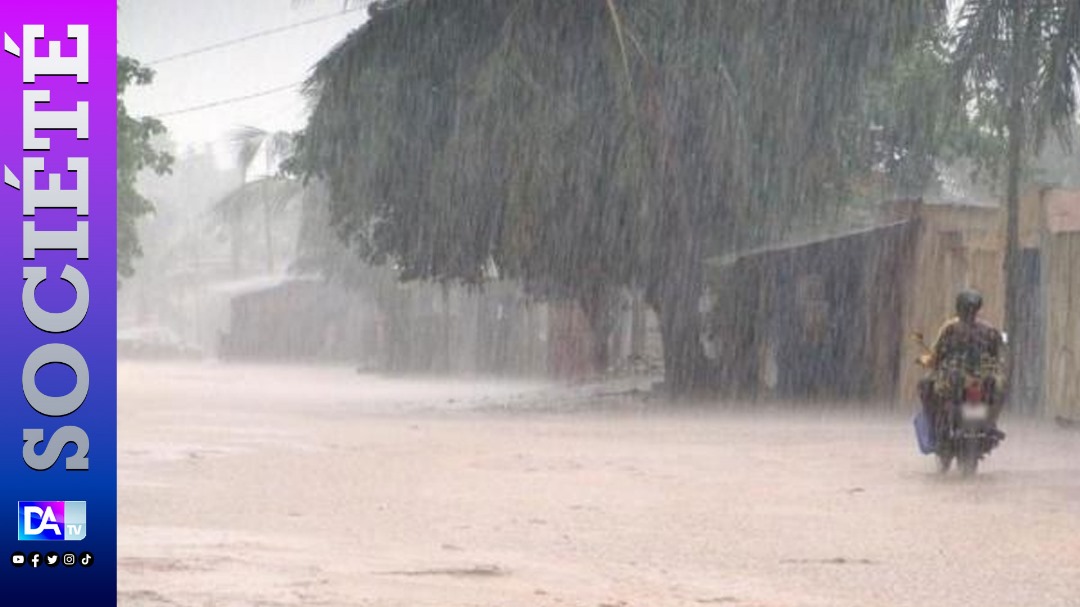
x,y
604,303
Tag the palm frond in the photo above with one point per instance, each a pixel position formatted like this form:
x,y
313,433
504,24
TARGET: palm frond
x,y
1058,74
246,142
1043,51
275,192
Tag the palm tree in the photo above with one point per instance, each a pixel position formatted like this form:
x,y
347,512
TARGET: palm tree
x,y
267,190
1021,60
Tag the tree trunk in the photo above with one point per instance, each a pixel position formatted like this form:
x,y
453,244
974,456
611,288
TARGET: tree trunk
x,y
674,283
1013,278
447,356
267,211
686,369
269,235
674,292
396,309
235,217
236,235
675,300
598,304
637,328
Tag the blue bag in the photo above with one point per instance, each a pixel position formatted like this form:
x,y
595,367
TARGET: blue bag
x,y
924,432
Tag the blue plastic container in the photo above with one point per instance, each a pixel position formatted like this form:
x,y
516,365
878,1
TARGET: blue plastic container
x,y
924,433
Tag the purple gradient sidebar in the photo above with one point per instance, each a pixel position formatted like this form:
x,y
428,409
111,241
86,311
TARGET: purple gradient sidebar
x,y
58,300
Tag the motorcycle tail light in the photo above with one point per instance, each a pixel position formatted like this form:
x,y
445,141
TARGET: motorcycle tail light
x,y
973,394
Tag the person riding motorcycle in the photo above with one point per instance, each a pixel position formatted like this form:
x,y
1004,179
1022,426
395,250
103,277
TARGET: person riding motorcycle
x,y
965,346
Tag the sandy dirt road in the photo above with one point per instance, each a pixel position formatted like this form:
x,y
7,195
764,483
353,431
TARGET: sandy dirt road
x,y
276,486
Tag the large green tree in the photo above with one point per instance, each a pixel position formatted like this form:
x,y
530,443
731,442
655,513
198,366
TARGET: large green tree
x,y
580,147
1020,62
920,131
134,152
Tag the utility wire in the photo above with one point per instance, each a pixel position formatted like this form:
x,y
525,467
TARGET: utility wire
x,y
229,101
260,34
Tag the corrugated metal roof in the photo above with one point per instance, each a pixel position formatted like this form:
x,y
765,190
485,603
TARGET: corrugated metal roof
x,y
969,203
258,284
791,245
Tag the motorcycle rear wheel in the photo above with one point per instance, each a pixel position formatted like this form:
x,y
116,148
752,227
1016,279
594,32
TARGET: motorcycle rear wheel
x,y
944,462
968,460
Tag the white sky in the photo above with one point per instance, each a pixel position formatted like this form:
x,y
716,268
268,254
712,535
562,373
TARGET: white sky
x,y
152,29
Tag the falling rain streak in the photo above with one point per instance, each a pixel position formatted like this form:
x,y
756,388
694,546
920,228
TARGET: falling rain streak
x,y
596,302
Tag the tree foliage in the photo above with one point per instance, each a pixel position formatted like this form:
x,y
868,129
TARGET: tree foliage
x,y
918,126
1019,63
134,152
584,146
1030,48
266,190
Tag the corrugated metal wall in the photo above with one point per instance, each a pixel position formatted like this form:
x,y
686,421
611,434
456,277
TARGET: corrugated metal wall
x,y
1062,284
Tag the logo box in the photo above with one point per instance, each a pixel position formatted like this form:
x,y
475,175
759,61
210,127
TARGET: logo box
x,y
52,521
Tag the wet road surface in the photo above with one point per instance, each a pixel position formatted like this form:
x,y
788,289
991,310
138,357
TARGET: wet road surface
x,y
285,486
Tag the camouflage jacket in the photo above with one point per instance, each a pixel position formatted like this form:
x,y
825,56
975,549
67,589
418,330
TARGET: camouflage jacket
x,y
974,348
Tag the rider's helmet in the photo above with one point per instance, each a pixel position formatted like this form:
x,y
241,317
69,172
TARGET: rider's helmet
x,y
968,304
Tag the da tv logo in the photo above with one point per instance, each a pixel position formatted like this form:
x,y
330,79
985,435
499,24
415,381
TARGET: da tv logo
x,y
52,521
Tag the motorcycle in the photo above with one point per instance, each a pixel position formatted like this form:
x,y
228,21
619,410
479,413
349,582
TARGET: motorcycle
x,y
963,431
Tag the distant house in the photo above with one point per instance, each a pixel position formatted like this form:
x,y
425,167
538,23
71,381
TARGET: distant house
x,y
296,319
569,342
412,327
831,317
963,245
814,319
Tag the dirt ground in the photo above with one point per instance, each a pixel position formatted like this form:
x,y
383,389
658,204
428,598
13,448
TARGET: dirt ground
x,y
289,486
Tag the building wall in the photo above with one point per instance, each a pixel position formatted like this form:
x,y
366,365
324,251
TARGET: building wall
x,y
635,345
296,320
957,247
569,341
964,246
1063,326
423,328
1061,286
818,320
426,328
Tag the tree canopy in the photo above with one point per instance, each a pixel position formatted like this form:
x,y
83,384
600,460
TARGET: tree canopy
x,y
1019,63
583,146
134,152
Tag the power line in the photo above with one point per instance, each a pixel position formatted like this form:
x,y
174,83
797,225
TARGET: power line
x,y
229,101
259,34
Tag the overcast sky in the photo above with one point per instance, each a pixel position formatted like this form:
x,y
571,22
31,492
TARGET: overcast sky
x,y
153,29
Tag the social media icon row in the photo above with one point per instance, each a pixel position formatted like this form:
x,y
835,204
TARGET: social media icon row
x,y
51,559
